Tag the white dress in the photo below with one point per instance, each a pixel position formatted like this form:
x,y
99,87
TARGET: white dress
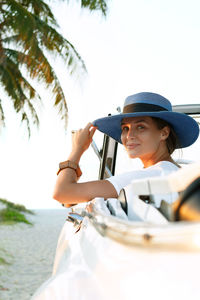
x,y
161,169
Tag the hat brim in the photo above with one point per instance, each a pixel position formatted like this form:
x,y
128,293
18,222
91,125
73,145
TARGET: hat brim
x,y
185,127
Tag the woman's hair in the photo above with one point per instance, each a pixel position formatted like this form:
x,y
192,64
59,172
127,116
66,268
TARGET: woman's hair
x,y
172,141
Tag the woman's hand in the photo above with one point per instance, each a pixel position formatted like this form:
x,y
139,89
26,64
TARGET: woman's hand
x,y
82,138
67,190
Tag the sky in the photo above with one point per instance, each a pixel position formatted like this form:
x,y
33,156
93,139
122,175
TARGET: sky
x,y
142,45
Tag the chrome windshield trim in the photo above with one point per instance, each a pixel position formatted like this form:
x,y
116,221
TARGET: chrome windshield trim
x,y
189,109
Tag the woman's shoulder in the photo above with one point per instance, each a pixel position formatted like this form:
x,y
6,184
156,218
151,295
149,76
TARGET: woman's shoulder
x,y
162,168
165,166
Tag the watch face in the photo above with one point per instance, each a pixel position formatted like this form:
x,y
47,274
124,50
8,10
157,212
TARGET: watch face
x,y
69,164
72,165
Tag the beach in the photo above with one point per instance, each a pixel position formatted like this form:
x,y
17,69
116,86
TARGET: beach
x,y
28,253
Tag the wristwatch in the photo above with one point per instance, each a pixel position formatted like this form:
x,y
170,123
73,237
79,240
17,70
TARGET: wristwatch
x,y
70,164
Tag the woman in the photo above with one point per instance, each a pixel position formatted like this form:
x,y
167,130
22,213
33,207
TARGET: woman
x,y
147,128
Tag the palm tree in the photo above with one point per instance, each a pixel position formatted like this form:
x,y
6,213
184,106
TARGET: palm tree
x,y
28,30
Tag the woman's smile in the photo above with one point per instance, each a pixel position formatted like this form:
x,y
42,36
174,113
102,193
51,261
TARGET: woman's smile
x,y
131,145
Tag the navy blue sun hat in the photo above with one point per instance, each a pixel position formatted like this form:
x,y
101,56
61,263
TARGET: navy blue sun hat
x,y
152,105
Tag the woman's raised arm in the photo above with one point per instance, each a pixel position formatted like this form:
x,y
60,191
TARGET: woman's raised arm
x,y
67,189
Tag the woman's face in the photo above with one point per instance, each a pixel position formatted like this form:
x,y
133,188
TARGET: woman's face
x,y
141,137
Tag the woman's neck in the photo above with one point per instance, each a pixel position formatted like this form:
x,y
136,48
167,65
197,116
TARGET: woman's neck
x,y
150,161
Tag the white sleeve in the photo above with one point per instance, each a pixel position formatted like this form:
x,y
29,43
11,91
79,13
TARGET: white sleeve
x,y
120,181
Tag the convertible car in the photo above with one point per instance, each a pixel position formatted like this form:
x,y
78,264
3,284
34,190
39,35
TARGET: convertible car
x,y
123,249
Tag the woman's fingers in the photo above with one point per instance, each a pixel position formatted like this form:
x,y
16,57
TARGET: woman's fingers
x,y
88,126
92,131
82,138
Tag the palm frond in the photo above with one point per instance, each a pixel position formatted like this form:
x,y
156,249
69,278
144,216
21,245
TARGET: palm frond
x,y
40,9
18,19
26,120
29,31
16,87
41,70
53,41
2,116
95,5
61,103
12,60
8,81
33,112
